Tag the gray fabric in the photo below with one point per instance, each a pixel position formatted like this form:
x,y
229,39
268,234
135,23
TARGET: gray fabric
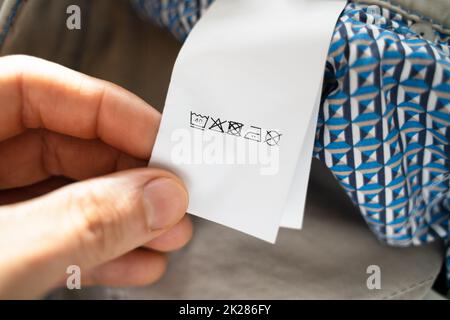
x,y
6,7
327,259
113,43
433,295
435,11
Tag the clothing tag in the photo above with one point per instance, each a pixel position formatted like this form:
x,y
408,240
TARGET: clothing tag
x,y
293,211
239,121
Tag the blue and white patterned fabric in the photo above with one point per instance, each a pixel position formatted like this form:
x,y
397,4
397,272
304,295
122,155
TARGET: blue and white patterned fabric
x,y
179,16
384,122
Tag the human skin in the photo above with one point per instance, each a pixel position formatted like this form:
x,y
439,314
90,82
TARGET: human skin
x,y
111,215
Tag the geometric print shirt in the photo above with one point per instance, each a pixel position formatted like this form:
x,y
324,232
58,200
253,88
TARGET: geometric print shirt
x,y
384,122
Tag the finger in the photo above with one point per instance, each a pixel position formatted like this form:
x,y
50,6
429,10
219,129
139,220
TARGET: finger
x,y
137,268
32,191
86,224
35,155
175,238
39,94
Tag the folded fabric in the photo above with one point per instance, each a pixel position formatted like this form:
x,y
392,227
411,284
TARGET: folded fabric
x,y
383,127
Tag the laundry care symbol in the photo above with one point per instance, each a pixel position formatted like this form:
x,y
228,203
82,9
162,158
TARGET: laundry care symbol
x,y
217,125
199,121
253,134
235,128
272,138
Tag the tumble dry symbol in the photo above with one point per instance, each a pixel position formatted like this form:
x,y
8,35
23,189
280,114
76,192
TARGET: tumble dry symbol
x,y
199,121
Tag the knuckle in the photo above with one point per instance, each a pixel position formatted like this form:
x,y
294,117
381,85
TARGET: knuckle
x,y
98,228
50,158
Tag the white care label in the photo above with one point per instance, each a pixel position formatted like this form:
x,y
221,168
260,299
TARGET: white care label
x,y
240,116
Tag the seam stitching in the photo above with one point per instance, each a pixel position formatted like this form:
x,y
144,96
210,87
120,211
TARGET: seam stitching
x,y
409,289
9,21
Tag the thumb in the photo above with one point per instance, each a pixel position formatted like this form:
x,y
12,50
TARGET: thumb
x,y
86,224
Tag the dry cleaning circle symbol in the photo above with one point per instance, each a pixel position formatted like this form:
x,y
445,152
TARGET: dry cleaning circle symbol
x,y
272,138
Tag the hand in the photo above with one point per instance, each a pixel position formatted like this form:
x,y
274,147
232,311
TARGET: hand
x,y
58,122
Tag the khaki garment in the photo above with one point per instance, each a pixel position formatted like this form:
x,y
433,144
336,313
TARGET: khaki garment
x,y
327,259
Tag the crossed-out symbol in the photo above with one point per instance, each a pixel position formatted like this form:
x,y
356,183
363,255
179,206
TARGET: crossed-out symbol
x,y
217,125
272,137
235,128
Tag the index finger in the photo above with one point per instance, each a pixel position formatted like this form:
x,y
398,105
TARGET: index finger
x,y
35,93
